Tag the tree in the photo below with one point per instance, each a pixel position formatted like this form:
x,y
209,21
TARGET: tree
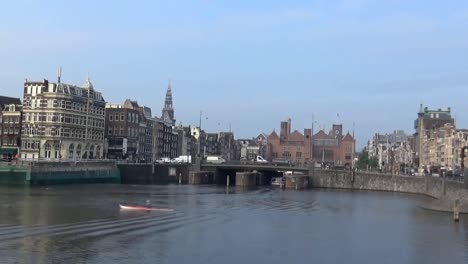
x,y
373,163
364,162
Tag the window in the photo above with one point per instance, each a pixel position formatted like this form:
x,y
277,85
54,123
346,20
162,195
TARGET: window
x,y
298,155
116,117
122,117
110,117
110,131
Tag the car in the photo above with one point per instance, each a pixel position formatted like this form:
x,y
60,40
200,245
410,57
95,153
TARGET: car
x,y
163,160
215,160
281,162
260,159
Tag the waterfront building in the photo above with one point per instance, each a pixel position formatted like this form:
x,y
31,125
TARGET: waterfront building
x,y
393,151
247,149
211,144
185,143
261,141
226,145
293,147
10,132
167,139
441,147
62,121
122,130
427,122
331,148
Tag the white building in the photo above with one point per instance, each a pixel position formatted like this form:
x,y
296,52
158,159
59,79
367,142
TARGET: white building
x,y
62,121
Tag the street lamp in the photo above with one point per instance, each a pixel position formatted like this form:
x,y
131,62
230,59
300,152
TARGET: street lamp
x,y
199,137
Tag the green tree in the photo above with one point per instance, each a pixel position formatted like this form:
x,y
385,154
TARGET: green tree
x,y
363,160
373,163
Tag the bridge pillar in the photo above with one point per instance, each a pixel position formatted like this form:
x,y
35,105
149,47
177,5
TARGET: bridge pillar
x,y
465,176
311,168
297,182
246,179
197,165
201,177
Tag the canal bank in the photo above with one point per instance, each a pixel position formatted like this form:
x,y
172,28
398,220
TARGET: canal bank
x,y
48,173
445,192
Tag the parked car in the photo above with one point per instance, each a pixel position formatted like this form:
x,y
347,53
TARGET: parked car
x,y
184,159
281,162
260,159
163,160
215,160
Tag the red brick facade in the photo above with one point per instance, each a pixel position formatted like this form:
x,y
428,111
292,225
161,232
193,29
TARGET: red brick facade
x,y
333,148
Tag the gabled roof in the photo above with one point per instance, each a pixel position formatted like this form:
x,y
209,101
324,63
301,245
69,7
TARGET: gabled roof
x,y
273,136
348,137
4,100
296,136
322,135
261,136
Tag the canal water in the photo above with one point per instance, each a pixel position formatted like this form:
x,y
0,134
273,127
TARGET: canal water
x,y
83,224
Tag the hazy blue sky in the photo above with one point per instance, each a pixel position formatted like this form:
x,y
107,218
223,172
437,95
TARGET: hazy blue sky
x,y
251,63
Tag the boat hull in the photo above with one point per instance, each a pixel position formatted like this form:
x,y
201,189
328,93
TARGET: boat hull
x,y
143,208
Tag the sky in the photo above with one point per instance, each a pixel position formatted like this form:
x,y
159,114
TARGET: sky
x,y
251,64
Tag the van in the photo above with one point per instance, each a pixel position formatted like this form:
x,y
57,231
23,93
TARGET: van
x,y
163,160
215,160
260,159
184,159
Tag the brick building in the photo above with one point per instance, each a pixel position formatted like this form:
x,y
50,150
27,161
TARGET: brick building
x,y
124,124
294,147
332,148
10,131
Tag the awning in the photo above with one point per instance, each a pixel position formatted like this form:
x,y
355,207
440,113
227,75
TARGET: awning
x,y
6,151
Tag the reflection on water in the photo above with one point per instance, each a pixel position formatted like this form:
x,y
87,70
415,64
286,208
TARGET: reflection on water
x,y
83,224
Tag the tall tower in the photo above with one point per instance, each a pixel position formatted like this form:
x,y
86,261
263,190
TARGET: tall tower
x,y
168,110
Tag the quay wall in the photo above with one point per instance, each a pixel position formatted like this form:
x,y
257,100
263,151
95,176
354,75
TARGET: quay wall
x,y
443,190
59,172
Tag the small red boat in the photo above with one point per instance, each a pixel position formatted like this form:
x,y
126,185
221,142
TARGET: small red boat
x,y
144,208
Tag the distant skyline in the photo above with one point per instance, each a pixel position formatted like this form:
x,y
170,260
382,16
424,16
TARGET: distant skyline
x,y
251,63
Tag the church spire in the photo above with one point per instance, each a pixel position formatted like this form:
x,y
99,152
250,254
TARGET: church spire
x,y
168,110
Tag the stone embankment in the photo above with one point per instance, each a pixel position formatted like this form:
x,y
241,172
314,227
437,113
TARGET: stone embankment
x,y
444,191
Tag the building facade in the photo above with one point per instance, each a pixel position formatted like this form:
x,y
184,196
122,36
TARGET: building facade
x,y
123,130
167,139
293,147
226,145
393,151
185,142
331,148
246,149
62,121
10,131
427,122
441,148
